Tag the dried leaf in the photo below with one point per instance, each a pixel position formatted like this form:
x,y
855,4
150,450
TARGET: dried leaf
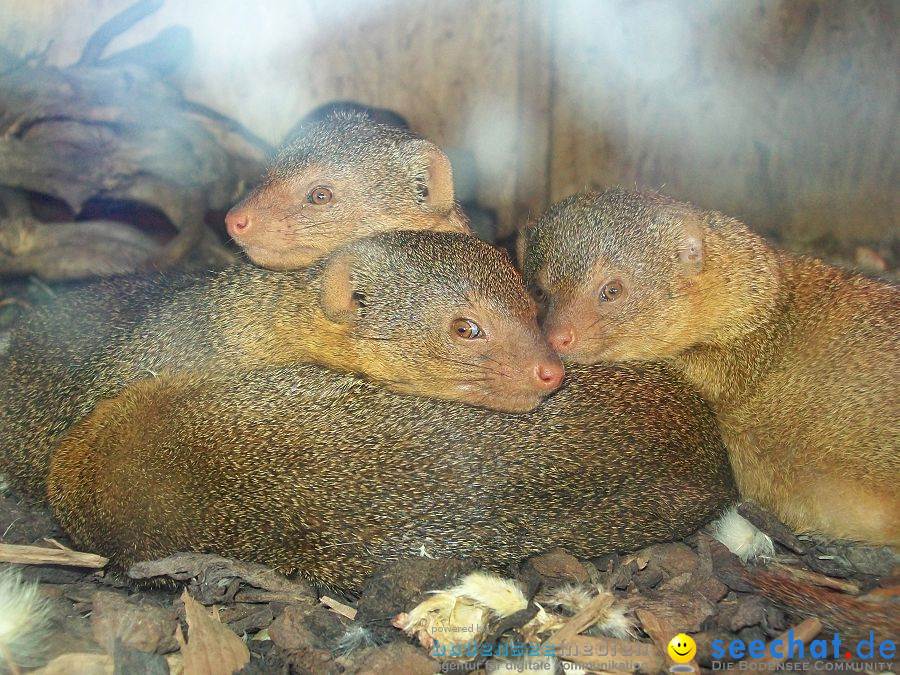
x,y
212,649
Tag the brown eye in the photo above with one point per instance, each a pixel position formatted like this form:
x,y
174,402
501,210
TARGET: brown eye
x,y
466,329
611,291
319,195
538,294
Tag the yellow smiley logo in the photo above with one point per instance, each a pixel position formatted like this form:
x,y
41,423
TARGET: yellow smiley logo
x,y
682,648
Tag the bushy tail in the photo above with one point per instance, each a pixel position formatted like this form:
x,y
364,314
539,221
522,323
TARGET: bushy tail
x,y
24,622
853,616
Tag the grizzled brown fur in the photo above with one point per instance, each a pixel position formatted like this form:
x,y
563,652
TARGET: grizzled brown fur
x,y
798,358
852,616
307,470
343,178
382,306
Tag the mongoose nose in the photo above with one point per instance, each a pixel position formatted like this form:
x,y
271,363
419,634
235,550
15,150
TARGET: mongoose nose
x,y
238,221
562,340
549,375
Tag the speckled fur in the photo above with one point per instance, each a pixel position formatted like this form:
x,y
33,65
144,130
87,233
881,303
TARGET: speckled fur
x,y
382,178
798,358
311,471
89,344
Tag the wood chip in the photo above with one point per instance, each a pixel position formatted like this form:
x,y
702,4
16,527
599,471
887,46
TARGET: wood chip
x,y
290,630
818,579
570,646
254,596
704,557
211,649
560,564
37,555
686,609
338,607
397,657
804,632
146,627
728,568
590,615
661,632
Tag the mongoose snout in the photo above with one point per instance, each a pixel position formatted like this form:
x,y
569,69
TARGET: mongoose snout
x,y
238,220
548,375
598,341
340,179
561,338
515,378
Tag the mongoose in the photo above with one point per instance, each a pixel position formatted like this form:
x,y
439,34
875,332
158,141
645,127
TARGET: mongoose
x,y
324,111
799,359
427,313
311,471
340,179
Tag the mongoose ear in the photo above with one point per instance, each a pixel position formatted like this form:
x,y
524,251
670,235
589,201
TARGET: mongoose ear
x,y
690,252
337,295
437,181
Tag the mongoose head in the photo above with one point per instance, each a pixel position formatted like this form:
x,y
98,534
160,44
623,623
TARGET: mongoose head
x,y
442,315
340,179
621,275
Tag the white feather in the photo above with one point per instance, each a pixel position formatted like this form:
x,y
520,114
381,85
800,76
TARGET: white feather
x,y
24,621
575,597
355,637
742,537
502,596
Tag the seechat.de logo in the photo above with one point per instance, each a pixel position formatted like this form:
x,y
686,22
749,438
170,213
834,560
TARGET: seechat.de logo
x,y
825,650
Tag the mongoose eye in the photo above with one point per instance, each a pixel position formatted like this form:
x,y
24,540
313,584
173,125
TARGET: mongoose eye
x,y
466,329
611,291
319,195
538,294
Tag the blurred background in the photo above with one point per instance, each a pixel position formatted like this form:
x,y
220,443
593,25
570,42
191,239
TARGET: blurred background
x,y
780,112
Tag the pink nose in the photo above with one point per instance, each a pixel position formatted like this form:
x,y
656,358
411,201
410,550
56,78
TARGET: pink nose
x,y
561,339
238,221
549,375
